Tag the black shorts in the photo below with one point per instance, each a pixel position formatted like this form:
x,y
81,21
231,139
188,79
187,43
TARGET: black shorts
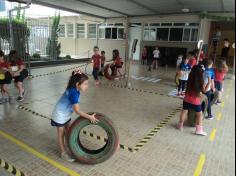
x,y
155,58
218,86
188,106
118,66
5,82
55,124
19,79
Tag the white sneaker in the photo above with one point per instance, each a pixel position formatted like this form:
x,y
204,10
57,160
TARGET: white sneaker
x,y
67,157
201,133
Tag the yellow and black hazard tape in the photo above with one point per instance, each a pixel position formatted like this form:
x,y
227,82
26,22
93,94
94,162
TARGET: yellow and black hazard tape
x,y
154,131
56,72
10,168
100,138
137,90
33,112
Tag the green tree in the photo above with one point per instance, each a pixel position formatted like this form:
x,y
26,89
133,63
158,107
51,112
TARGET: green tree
x,y
53,49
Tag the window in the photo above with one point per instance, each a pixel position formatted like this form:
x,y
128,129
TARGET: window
x,y
179,24
121,32
108,33
114,33
186,36
152,35
194,35
166,24
162,34
176,34
102,33
155,24
92,31
61,32
119,24
70,30
146,34
80,31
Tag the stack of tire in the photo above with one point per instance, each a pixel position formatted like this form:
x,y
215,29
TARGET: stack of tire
x,y
88,156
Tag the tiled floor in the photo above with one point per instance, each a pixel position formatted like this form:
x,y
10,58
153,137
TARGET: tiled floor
x,y
168,153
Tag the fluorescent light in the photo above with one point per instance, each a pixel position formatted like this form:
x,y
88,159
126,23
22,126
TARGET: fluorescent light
x,y
185,10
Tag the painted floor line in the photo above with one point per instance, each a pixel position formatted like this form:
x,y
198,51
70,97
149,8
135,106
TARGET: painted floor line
x,y
38,154
219,116
200,165
212,136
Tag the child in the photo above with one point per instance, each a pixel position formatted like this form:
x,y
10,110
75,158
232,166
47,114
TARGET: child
x,y
184,69
117,62
179,61
156,57
144,56
4,71
209,72
96,59
192,59
192,100
67,104
103,60
220,71
16,62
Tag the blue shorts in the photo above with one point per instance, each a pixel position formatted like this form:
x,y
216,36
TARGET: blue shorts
x,y
188,106
55,124
218,86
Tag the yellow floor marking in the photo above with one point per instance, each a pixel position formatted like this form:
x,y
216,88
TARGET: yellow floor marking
x,y
223,104
213,134
39,155
219,116
200,165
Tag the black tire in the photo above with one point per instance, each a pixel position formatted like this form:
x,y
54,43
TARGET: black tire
x,y
191,120
106,72
85,155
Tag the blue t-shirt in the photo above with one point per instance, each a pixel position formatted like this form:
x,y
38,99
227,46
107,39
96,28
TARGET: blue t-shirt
x,y
209,72
186,69
64,107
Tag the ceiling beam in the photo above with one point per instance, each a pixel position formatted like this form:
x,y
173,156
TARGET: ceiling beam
x,y
104,8
65,8
144,6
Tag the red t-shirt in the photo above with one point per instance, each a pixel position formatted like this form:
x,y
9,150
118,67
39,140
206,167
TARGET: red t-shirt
x,y
192,62
18,63
96,61
192,99
144,55
202,56
219,76
4,65
118,61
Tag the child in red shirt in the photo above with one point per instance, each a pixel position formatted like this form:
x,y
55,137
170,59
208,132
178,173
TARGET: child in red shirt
x,y
103,60
17,66
5,78
192,99
96,59
117,62
220,72
192,60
